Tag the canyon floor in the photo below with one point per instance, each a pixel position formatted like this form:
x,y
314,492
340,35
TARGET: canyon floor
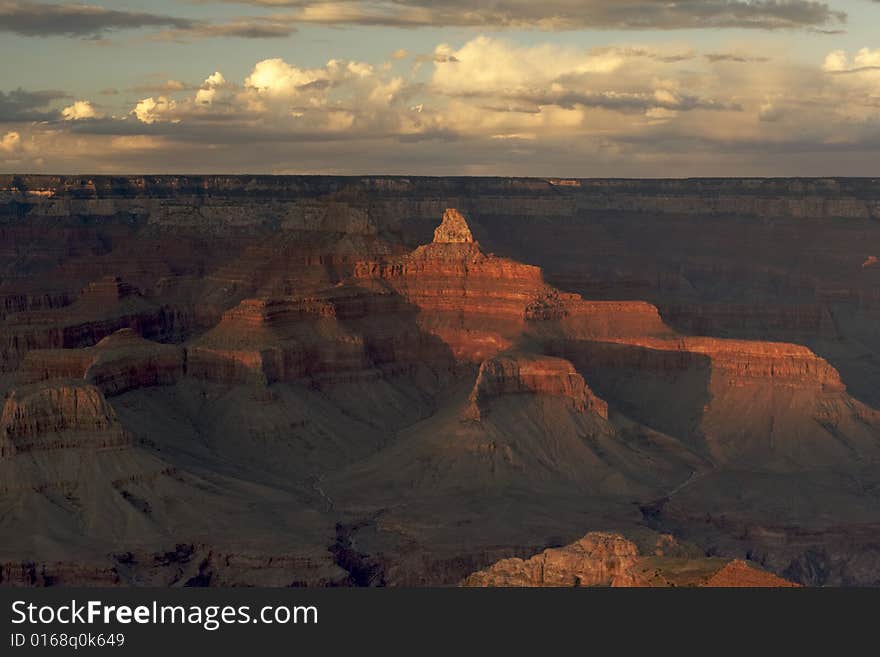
x,y
320,381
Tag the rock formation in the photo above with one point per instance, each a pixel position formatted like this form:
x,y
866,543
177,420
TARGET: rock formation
x,y
50,416
453,229
337,370
120,362
513,374
597,559
606,559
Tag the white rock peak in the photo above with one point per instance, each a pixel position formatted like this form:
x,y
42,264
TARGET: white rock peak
x,y
453,230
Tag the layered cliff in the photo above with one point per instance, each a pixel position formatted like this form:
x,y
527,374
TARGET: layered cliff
x,y
100,309
802,198
120,362
475,303
50,416
523,373
597,559
607,559
347,381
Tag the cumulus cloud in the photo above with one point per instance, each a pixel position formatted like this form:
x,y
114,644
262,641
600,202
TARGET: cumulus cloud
x,y
488,105
10,143
150,110
538,76
81,109
564,14
275,79
838,61
209,89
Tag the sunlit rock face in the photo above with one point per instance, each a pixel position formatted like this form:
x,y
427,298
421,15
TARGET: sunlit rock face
x,y
525,374
453,229
404,381
606,559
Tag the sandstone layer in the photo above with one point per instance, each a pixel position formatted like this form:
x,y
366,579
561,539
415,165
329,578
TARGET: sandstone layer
x,y
607,559
402,381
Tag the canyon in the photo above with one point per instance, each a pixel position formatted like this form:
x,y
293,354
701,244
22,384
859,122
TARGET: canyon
x,y
317,380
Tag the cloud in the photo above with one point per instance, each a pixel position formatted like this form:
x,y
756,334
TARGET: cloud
x,y
737,58
10,143
838,61
486,106
163,87
245,28
150,110
208,91
564,14
29,18
537,76
275,78
81,109
21,105
43,19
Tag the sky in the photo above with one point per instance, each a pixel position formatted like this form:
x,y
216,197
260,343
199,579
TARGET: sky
x,y
568,88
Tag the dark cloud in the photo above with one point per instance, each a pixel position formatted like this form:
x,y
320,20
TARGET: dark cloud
x,y
566,14
29,18
43,19
250,28
715,57
247,29
21,105
626,101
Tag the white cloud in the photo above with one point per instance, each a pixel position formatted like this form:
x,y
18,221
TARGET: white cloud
x,y
275,78
865,59
630,103
835,61
81,109
208,91
150,110
486,64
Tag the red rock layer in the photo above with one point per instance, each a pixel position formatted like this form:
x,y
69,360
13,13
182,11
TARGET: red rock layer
x,y
606,559
598,559
101,309
557,314
731,362
738,574
338,333
120,362
57,415
742,361
511,374
475,303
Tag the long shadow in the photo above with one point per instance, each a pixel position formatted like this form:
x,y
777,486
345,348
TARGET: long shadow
x,y
663,389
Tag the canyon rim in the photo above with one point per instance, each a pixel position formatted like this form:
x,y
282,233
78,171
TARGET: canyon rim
x,y
279,381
